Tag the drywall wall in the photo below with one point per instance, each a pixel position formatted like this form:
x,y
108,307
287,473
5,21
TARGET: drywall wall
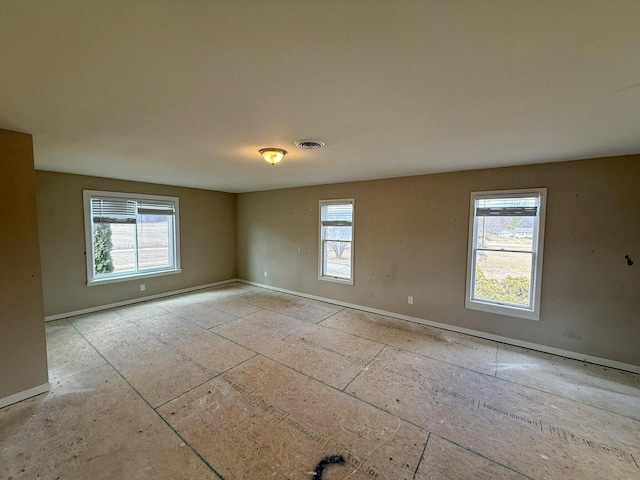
x,y
23,355
207,241
411,239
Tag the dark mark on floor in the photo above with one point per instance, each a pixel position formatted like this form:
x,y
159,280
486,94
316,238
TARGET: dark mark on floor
x,y
325,462
629,261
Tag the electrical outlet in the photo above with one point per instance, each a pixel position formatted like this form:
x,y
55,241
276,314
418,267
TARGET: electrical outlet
x,y
410,300
265,273
142,287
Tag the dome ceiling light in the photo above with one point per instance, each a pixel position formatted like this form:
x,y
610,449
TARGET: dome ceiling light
x,y
272,155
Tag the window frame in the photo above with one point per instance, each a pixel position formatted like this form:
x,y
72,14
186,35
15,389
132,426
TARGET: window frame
x,y
321,275
87,195
532,313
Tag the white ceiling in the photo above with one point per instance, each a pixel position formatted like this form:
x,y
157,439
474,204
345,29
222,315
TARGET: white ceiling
x,y
186,92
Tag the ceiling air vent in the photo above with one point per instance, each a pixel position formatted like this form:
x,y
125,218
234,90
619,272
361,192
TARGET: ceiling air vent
x,y
309,144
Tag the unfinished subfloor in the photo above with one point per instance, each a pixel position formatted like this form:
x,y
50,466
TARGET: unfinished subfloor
x,y
239,382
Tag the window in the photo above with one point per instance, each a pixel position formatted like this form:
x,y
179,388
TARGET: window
x,y
336,241
504,266
130,236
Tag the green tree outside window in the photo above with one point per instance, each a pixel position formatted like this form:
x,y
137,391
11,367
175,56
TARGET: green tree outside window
x,y
102,246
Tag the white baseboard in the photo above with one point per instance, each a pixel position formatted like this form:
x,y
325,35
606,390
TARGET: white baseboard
x,y
488,336
18,397
50,318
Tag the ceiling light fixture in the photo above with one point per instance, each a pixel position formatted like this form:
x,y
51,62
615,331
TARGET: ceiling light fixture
x,y
272,155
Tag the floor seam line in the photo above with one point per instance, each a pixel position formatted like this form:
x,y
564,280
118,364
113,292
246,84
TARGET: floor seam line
x,y
387,411
207,380
483,456
424,448
365,367
200,326
229,321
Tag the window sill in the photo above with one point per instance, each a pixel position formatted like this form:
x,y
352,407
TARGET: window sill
x,y
135,276
508,311
344,281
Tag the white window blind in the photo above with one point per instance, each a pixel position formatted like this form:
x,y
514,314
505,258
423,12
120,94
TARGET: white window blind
x,y
156,208
113,210
339,215
491,208
119,210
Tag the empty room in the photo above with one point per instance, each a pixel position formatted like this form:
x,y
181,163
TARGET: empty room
x,y
305,240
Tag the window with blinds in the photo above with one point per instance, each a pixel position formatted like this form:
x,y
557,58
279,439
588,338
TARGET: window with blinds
x,y
506,232
130,235
336,241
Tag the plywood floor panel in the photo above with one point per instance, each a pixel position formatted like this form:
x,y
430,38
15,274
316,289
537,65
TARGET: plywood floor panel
x,y
92,426
94,322
535,433
305,309
201,313
257,384
67,352
162,366
263,420
603,387
463,350
332,357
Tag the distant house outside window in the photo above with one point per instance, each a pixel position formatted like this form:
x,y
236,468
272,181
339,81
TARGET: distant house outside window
x,y
504,265
130,236
336,240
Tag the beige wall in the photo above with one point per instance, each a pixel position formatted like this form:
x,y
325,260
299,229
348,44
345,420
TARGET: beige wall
x,y
207,241
411,239
23,356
